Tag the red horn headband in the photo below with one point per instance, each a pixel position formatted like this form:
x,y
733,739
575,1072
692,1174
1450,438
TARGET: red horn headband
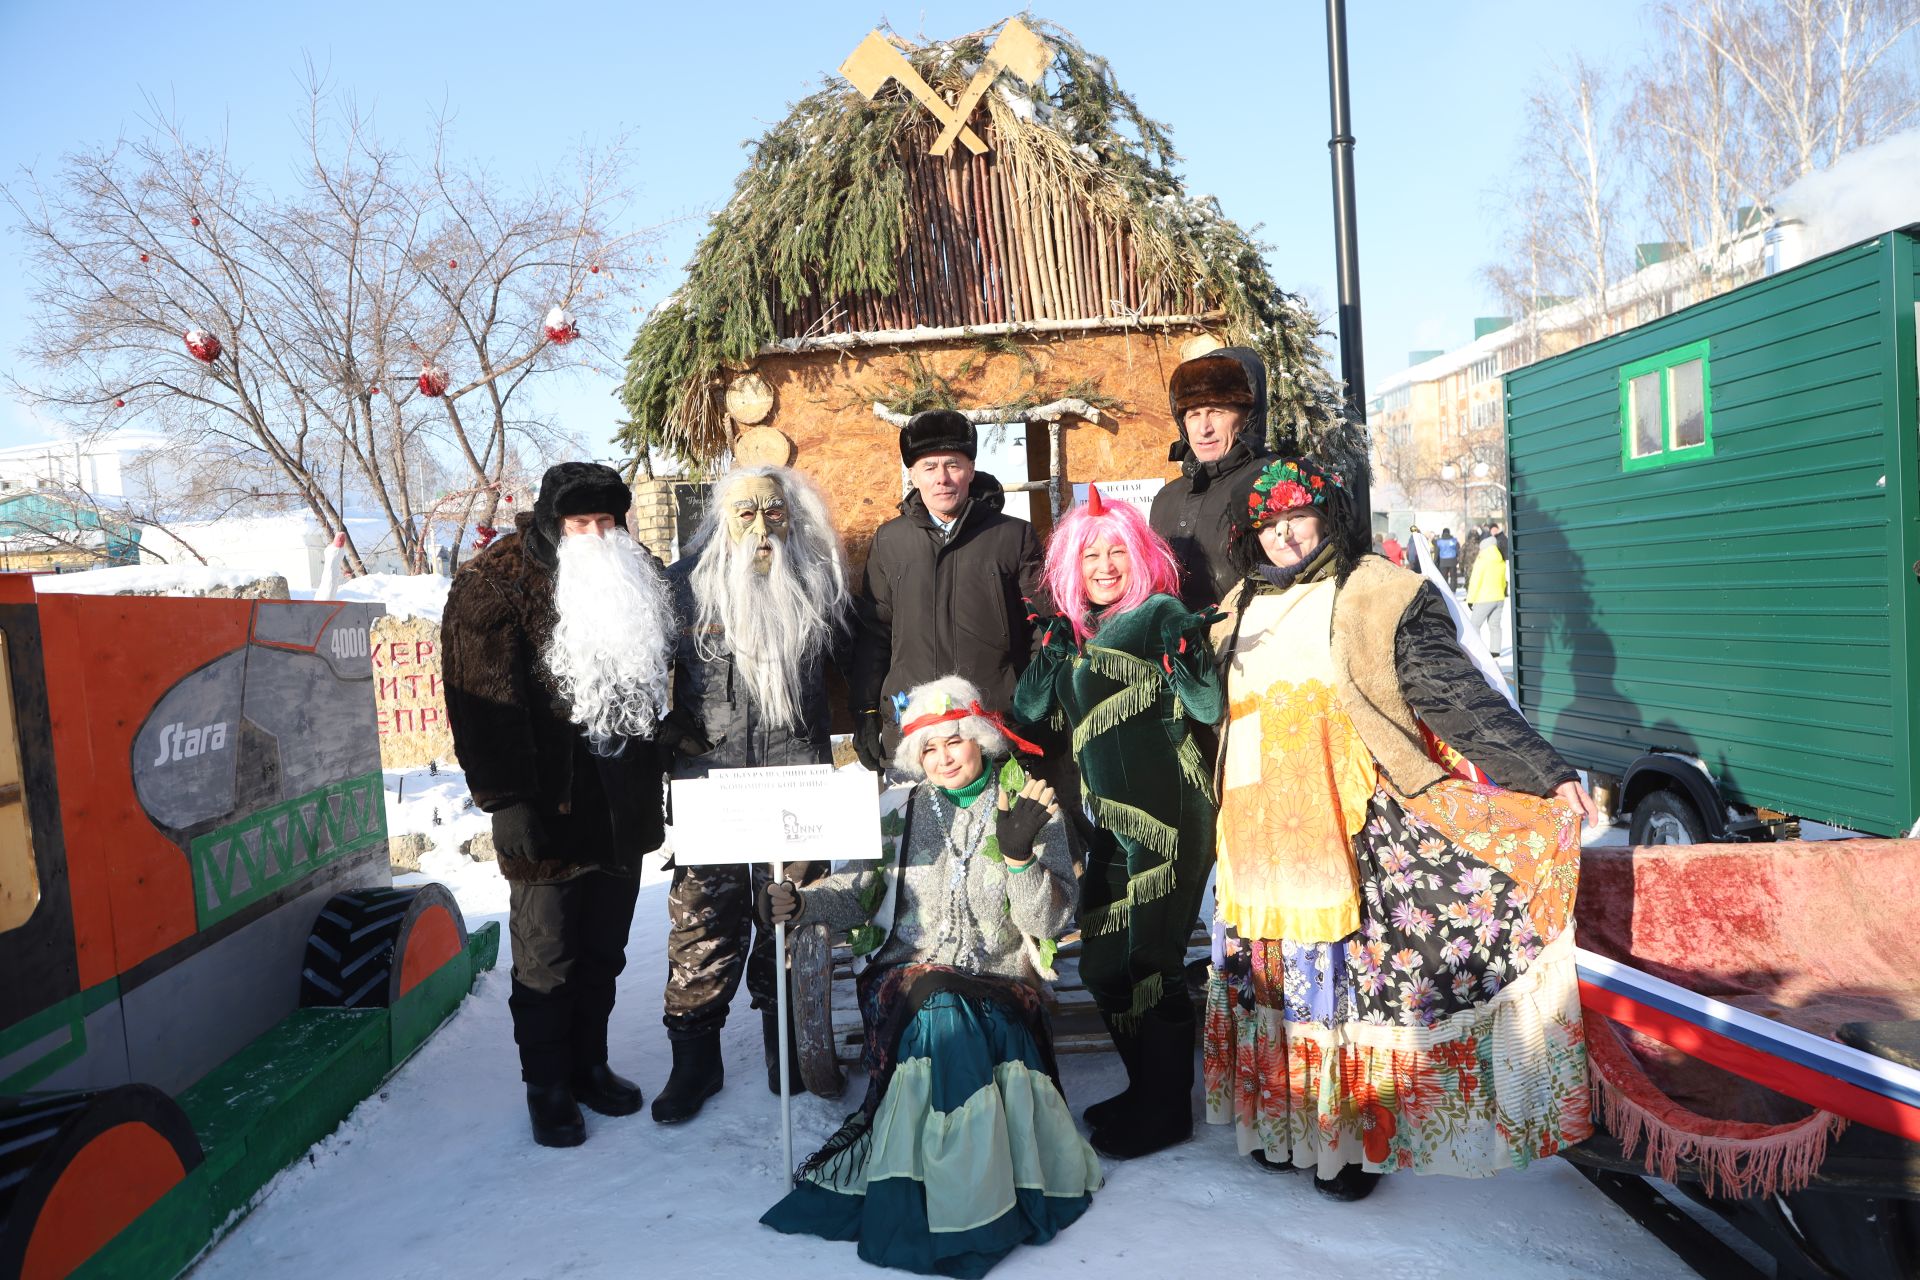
x,y
1095,507
993,718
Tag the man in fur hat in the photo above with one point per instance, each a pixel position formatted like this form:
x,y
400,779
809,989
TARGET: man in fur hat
x,y
761,596
1219,403
946,585
555,642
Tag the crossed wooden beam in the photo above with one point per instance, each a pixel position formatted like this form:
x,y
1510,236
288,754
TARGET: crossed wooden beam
x,y
877,60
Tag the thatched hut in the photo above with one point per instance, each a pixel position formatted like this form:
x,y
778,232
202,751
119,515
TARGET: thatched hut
x,y
1051,281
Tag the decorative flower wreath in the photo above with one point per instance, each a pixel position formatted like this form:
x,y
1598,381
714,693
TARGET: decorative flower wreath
x,y
1286,484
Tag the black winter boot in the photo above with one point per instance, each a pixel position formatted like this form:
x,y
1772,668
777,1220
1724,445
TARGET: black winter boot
x,y
1112,1112
770,1039
697,1075
600,1089
1351,1183
556,1118
1162,1111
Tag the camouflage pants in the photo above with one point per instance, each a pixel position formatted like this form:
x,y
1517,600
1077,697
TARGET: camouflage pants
x,y
714,939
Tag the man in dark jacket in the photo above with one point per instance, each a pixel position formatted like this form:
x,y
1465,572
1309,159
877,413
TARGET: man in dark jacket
x,y
1219,403
946,586
556,641
761,597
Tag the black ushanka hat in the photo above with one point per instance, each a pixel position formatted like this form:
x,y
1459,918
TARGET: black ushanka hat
x,y
937,431
576,489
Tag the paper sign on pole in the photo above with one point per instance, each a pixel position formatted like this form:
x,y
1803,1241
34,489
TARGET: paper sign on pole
x,y
796,813
775,816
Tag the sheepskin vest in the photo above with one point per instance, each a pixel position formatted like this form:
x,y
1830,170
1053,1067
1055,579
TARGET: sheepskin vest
x,y
1367,614
1366,623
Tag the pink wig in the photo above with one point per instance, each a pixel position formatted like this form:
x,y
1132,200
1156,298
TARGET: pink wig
x,y
1155,571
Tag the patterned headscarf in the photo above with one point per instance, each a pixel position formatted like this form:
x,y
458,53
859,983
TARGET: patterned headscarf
x,y
1287,483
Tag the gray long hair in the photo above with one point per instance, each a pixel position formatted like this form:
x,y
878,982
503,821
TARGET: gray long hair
x,y
779,622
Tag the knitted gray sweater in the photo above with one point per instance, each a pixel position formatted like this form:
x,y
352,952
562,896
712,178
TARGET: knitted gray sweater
x,y
956,905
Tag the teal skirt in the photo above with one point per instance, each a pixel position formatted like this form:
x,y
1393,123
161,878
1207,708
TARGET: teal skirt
x,y
970,1152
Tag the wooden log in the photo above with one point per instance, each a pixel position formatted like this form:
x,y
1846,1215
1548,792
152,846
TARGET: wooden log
x,y
1103,247
1017,308
960,246
996,251
983,229
973,241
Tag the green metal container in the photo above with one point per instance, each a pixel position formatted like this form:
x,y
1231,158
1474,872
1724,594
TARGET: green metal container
x,y
1716,536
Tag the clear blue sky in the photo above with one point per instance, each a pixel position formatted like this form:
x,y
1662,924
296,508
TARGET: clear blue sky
x,y
1437,92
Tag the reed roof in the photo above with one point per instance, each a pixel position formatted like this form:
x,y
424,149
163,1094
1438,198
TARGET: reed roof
x,y
844,226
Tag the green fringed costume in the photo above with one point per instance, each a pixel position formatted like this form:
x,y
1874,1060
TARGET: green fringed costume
x,y
1134,695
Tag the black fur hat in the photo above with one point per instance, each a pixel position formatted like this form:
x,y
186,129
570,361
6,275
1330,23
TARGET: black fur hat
x,y
582,489
576,489
937,431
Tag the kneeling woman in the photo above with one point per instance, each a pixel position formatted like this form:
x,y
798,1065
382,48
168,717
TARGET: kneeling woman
x,y
1394,984
963,1147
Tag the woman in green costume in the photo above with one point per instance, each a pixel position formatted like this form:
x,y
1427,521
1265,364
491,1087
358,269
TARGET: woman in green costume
x,y
1127,667
963,1148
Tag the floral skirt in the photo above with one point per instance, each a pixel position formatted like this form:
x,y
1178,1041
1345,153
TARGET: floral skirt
x,y
967,1149
1443,1036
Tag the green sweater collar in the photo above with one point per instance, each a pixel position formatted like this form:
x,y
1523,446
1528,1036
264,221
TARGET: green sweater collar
x,y
965,796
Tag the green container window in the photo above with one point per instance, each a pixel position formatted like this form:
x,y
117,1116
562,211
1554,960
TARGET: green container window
x,y
1666,409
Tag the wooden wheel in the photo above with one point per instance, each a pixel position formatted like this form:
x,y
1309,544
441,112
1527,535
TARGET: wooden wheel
x,y
810,965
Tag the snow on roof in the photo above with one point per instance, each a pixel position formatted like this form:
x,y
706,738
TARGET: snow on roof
x,y
143,579
406,595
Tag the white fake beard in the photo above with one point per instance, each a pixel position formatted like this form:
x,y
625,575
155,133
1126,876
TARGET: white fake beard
x,y
775,622
613,636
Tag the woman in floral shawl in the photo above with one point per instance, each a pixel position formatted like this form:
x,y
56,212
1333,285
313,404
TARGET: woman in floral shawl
x,y
1126,666
1393,982
963,1147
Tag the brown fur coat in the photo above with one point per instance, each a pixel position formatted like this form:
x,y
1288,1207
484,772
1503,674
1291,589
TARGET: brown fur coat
x,y
512,731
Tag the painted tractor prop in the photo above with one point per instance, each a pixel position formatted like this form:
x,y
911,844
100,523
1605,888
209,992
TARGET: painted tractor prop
x,y
206,963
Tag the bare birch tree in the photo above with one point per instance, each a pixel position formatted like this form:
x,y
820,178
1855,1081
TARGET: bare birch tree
x,y
329,301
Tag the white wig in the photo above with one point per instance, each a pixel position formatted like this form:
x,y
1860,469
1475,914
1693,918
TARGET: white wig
x,y
948,693
775,623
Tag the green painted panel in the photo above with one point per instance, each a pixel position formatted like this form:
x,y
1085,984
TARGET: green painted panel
x,y
419,1013
281,1094
1741,607
161,1241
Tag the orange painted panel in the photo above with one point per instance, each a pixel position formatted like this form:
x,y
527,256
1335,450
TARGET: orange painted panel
x,y
108,661
433,940
113,1180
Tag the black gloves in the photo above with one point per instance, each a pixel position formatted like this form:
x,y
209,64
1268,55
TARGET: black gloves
x,y
518,833
779,903
680,734
1018,826
867,741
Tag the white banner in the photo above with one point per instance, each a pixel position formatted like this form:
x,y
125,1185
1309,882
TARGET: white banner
x,y
794,813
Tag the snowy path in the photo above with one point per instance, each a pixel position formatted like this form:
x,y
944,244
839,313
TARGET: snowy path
x,y
436,1177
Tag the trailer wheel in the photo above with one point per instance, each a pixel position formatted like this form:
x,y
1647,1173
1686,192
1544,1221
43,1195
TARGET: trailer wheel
x,y
1667,817
80,1168
370,947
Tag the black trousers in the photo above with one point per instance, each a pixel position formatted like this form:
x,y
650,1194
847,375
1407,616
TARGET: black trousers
x,y
569,946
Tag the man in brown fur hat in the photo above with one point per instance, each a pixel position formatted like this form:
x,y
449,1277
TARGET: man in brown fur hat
x,y
1219,403
556,642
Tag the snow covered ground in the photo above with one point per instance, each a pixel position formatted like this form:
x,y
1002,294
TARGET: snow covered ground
x,y
436,1176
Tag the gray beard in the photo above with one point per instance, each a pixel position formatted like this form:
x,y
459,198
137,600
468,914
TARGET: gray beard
x,y
612,638
777,623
